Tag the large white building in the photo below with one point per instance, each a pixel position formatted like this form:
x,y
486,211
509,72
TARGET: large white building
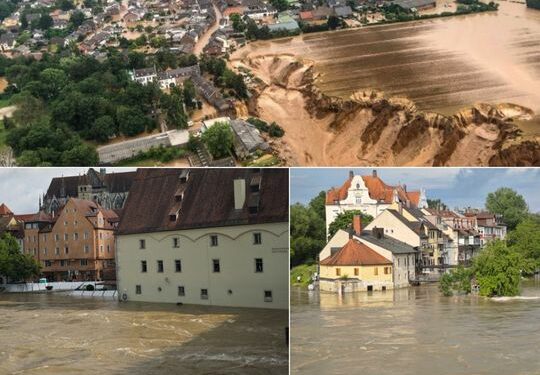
x,y
370,195
206,236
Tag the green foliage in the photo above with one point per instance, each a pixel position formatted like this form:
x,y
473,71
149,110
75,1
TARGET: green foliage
x,y
77,18
525,240
7,7
238,24
334,22
305,271
533,4
65,4
218,139
458,279
344,220
308,230
498,270
273,130
509,204
280,5
436,204
15,265
158,154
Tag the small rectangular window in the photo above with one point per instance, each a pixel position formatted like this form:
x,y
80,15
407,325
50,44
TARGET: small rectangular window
x,y
204,293
48,263
143,266
213,240
181,291
258,265
66,250
142,244
376,271
356,272
267,296
176,242
66,236
75,236
215,263
338,271
257,239
138,289
57,251
178,265
84,262
160,266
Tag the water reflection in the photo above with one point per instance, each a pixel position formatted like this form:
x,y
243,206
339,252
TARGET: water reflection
x,y
414,331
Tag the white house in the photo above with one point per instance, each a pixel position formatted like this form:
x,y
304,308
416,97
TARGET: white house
x,y
370,195
206,236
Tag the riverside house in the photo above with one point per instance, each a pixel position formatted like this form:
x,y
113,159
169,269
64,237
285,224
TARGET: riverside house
x,y
79,243
365,260
370,195
206,236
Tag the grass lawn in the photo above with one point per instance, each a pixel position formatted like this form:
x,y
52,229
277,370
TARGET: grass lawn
x,y
304,271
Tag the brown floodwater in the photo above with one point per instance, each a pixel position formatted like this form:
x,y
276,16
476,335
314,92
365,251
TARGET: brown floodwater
x,y
441,64
57,334
415,331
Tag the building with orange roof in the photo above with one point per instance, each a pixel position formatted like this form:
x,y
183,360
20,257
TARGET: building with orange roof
x,y
369,194
358,259
78,244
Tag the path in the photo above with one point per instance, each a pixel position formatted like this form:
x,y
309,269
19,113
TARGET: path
x,y
205,38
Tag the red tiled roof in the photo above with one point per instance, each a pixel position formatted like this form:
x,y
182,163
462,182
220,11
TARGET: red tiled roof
x,y
39,216
355,253
307,15
4,210
238,10
338,194
377,189
208,199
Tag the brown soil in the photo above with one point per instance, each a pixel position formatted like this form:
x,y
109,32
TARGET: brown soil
x,y
370,129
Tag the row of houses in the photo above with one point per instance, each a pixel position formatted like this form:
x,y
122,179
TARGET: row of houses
x,y
177,77
196,236
405,239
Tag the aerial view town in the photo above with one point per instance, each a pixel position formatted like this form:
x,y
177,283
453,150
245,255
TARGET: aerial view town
x,y
144,271
387,273
268,83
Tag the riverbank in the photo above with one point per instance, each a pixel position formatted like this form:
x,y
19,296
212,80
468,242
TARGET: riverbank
x,y
51,334
414,331
397,94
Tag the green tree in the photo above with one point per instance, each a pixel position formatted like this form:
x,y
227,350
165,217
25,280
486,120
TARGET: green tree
x,y
189,94
509,204
81,155
103,128
525,240
498,270
344,220
218,139
15,265
333,22
77,18
280,5
45,22
436,204
307,232
131,120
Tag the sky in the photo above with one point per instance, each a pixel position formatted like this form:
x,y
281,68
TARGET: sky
x,y
457,187
20,188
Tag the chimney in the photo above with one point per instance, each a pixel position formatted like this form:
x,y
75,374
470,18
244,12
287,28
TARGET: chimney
x,y
239,193
374,173
357,224
351,174
405,187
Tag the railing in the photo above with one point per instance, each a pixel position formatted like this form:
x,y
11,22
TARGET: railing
x,y
38,287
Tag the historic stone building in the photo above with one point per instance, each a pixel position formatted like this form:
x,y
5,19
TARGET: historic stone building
x,y
206,236
370,195
109,190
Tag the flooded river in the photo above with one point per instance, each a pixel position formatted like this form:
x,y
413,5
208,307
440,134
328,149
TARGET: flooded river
x,y
55,334
441,64
415,331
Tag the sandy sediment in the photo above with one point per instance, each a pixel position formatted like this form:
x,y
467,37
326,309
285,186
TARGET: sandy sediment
x,y
370,129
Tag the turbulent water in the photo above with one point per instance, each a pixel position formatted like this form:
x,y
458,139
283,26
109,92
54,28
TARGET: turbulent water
x,y
415,331
441,64
54,334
